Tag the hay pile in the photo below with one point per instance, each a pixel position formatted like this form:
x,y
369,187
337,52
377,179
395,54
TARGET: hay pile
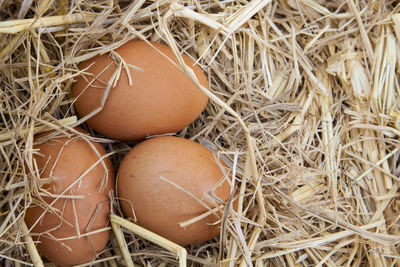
x,y
305,108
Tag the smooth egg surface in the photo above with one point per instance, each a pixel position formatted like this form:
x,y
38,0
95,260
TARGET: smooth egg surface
x,y
78,197
160,99
167,180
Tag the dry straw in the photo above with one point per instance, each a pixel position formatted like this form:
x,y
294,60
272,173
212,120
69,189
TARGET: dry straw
x,y
304,109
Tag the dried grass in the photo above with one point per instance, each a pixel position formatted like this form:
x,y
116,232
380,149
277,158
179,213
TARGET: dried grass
x,y
305,107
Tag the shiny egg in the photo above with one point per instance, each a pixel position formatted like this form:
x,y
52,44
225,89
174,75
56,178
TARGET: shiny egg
x,y
150,95
69,214
165,182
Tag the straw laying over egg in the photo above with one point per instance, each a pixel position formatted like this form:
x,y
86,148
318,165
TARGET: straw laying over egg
x,y
304,109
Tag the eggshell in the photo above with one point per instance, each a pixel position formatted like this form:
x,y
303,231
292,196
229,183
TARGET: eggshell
x,y
160,206
161,99
66,159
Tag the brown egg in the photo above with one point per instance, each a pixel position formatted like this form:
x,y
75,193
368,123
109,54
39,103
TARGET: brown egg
x,y
65,160
160,206
161,99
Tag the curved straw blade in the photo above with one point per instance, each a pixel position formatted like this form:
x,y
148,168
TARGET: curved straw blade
x,y
118,222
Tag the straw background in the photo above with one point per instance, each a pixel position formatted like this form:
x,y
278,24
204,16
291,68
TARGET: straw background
x,y
304,108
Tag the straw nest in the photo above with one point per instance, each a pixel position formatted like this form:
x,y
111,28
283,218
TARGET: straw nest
x,y
305,109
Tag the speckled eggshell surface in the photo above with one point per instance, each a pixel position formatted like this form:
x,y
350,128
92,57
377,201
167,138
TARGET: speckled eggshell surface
x,y
160,206
161,99
66,159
